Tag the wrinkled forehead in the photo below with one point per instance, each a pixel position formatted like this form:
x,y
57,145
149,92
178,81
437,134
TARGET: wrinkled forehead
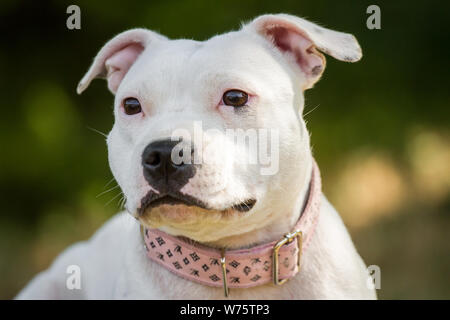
x,y
234,59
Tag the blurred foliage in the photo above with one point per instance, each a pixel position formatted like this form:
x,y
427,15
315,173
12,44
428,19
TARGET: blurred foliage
x,y
379,128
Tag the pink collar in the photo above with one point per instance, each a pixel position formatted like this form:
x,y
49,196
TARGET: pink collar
x,y
242,268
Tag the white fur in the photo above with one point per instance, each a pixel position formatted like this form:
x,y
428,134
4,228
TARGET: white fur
x,y
179,82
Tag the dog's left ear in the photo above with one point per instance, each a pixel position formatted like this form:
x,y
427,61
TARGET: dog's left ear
x,y
301,38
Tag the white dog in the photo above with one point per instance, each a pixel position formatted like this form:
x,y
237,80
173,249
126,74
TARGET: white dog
x,y
214,209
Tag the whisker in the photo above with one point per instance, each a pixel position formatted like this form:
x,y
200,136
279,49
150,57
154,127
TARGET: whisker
x,y
98,131
109,182
311,110
122,202
102,193
115,197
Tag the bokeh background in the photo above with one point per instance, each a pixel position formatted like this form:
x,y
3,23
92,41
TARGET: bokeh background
x,y
380,128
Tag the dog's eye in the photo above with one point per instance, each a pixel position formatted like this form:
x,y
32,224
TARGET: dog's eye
x,y
235,98
131,106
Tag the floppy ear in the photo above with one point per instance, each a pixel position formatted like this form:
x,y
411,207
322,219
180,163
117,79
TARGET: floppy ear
x,y
117,56
301,39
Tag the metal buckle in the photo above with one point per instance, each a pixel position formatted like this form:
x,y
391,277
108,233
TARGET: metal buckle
x,y
288,238
143,236
224,273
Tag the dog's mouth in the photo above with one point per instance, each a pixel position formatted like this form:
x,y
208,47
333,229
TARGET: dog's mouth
x,y
152,201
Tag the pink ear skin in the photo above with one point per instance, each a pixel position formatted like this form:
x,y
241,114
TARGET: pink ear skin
x,y
117,56
305,42
287,39
119,64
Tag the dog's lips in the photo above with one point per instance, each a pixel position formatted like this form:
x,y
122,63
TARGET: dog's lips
x,y
244,206
151,201
169,200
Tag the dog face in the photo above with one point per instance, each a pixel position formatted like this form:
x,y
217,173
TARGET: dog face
x,y
208,140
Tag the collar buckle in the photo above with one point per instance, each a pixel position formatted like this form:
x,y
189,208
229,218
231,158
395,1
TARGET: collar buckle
x,y
224,273
288,238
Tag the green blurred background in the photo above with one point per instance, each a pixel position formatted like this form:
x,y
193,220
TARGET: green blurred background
x,y
380,128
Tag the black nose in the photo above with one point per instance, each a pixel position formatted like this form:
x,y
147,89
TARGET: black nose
x,y
164,171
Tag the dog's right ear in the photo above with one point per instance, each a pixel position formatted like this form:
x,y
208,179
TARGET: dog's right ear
x,y
117,56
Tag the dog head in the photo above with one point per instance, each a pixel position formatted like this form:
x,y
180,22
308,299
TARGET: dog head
x,y
208,140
